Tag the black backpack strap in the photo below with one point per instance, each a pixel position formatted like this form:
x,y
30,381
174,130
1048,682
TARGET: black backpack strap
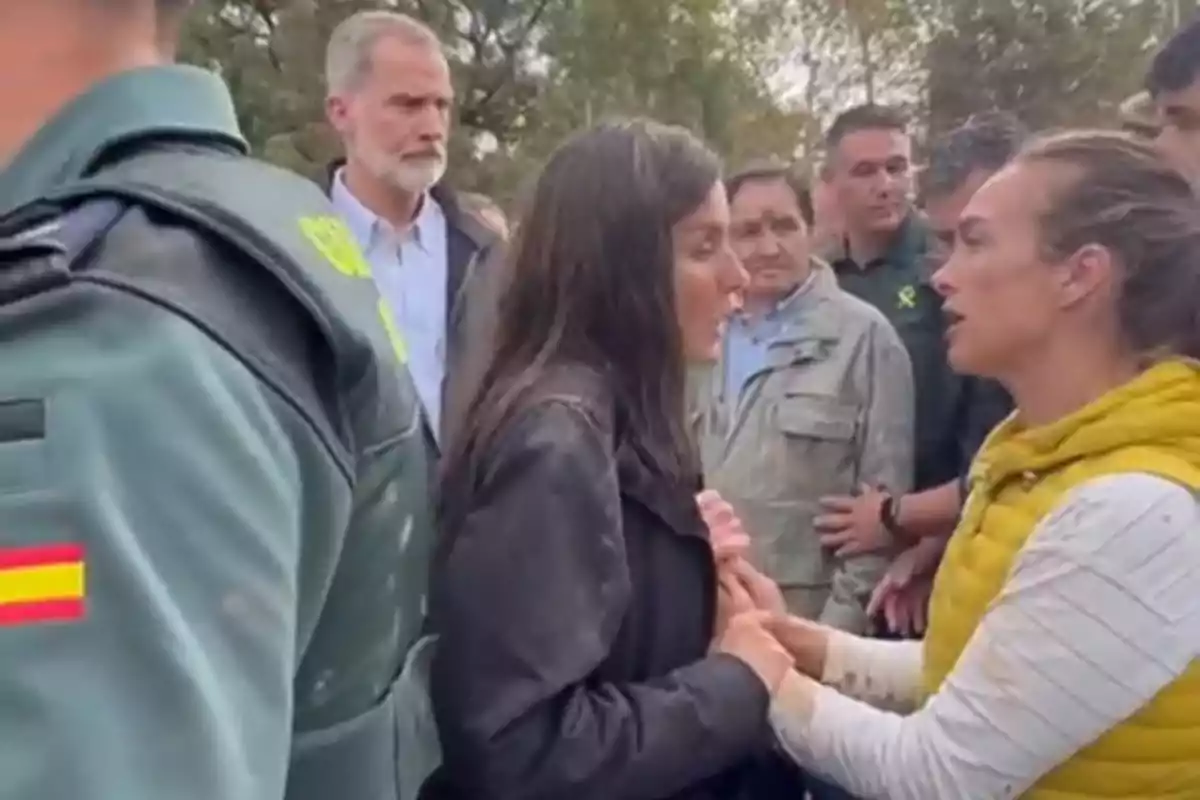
x,y
284,226
84,226
247,311
41,249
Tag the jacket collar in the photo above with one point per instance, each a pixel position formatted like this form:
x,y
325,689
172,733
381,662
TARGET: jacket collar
x,y
906,251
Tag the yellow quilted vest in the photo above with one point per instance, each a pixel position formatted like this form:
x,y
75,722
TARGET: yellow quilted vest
x,y
1152,424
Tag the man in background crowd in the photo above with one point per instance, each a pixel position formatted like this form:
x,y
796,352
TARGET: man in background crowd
x,y
390,99
881,259
812,395
213,494
959,163
1173,83
885,259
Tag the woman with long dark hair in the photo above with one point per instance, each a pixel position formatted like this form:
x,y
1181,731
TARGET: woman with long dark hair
x,y
1062,658
582,653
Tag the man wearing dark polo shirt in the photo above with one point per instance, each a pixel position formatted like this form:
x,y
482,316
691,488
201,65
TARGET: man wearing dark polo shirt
x,y
884,259
881,260
958,164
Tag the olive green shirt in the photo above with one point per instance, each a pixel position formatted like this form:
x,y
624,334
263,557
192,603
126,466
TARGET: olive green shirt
x,y
898,285
178,490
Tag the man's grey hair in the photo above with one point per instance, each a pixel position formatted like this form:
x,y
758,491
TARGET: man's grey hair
x,y
985,142
348,54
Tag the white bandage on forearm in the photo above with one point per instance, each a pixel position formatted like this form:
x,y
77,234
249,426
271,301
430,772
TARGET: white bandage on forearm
x,y
884,674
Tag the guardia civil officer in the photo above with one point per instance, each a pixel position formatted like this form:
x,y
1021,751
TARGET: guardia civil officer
x,y
213,527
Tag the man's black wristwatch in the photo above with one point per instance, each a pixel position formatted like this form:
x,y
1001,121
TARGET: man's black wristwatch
x,y
889,510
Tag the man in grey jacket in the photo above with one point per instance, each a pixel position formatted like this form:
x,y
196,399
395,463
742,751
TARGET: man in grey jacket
x,y
813,397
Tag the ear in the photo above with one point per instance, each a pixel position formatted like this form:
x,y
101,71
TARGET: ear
x,y
1090,270
337,111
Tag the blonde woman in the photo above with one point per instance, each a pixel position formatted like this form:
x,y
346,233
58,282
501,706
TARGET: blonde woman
x,y
1061,659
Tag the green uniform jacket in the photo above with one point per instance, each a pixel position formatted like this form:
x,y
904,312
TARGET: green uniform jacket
x,y
204,593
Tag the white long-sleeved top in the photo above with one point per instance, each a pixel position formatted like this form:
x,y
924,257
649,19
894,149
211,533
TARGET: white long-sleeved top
x,y
1101,611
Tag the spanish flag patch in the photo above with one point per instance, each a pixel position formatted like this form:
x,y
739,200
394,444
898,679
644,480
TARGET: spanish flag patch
x,y
43,583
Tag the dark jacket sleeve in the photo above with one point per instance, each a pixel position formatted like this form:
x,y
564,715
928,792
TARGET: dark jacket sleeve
x,y
533,593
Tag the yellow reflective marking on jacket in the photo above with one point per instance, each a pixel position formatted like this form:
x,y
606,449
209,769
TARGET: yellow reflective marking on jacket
x,y
393,332
332,239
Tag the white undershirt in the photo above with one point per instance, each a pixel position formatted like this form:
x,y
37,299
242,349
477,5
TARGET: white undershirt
x,y
1101,611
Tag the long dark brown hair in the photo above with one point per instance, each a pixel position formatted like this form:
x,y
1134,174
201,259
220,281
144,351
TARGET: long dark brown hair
x,y
1117,191
589,279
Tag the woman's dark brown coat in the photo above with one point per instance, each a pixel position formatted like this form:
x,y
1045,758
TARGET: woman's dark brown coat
x,y
576,608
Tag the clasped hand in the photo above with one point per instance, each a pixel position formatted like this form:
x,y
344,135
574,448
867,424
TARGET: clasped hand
x,y
752,622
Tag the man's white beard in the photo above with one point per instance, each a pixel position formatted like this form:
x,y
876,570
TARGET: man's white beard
x,y
412,175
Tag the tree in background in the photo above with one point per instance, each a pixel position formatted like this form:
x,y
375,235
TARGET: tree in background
x,y
757,78
833,54
1054,63
528,72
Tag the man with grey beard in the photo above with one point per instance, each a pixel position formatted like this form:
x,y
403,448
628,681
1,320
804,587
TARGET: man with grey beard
x,y
390,99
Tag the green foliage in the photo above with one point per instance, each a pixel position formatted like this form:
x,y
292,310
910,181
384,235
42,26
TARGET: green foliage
x,y
756,78
528,73
1054,63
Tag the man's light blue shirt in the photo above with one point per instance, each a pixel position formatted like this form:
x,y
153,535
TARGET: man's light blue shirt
x,y
411,271
748,338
